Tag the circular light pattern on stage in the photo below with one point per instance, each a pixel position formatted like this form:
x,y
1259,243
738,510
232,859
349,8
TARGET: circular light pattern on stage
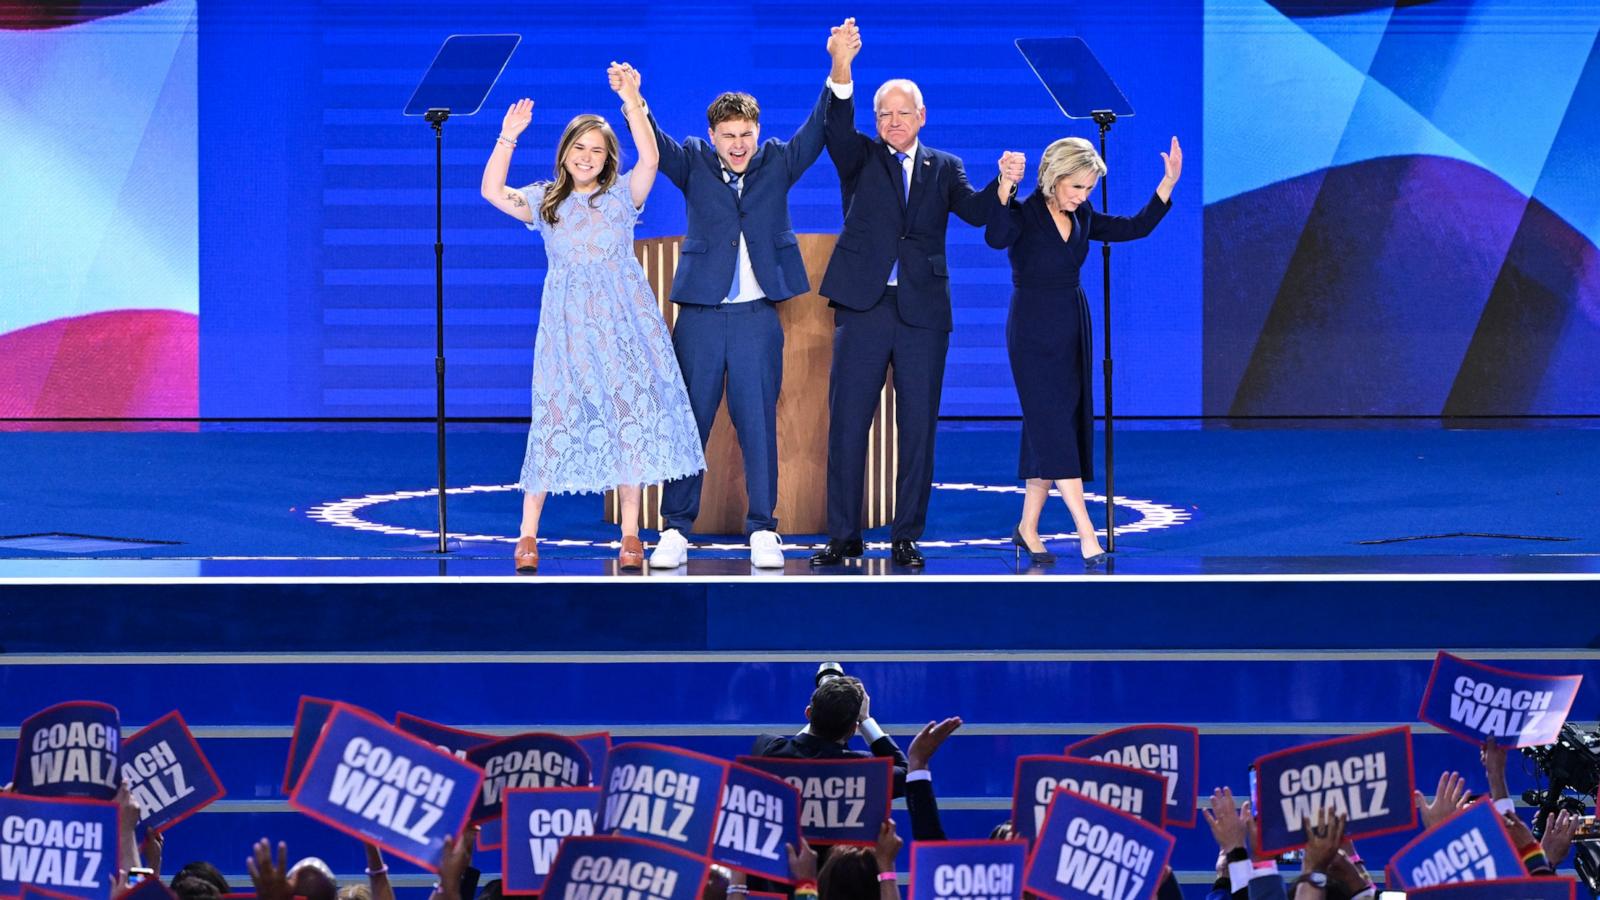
x,y
347,514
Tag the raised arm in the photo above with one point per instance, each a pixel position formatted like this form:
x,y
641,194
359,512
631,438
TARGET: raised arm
x,y
625,80
1131,228
1005,215
508,200
846,146
806,145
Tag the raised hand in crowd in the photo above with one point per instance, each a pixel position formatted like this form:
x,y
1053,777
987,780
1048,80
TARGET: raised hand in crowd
x,y
1558,832
270,876
885,852
128,817
1322,846
927,741
1451,795
802,863
377,873
1230,823
150,851
1494,768
453,864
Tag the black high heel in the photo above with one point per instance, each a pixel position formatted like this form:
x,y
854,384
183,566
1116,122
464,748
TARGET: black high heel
x,y
1041,558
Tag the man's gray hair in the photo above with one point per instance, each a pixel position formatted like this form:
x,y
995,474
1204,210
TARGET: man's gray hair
x,y
897,84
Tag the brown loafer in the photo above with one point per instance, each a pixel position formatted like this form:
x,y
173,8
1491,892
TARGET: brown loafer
x,y
631,556
527,554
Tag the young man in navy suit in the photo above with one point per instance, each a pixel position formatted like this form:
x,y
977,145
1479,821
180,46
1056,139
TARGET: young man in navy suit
x,y
889,286
739,258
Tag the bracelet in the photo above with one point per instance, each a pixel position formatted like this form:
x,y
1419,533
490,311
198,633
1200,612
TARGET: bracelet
x,y
888,876
738,889
381,870
502,139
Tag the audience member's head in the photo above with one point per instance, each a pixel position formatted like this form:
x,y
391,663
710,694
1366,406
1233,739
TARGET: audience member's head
x,y
835,708
199,881
851,873
355,892
312,879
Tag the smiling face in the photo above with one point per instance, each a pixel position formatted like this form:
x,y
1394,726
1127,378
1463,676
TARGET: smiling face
x,y
736,141
899,119
586,159
1074,189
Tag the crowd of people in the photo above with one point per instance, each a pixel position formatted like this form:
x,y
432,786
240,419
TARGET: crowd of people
x,y
1330,868
618,402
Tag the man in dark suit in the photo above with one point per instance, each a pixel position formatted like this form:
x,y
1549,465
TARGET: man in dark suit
x,y
889,286
739,258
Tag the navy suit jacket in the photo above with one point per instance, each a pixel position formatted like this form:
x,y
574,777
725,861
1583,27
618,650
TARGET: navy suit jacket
x,y
882,227
806,745
717,215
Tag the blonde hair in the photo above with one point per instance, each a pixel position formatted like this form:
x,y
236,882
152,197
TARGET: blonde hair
x,y
562,187
1064,157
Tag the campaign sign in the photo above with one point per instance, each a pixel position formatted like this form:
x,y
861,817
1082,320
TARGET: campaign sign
x,y
967,870
1133,791
1473,701
535,821
1090,851
613,867
167,773
842,801
69,750
1501,889
534,760
760,815
455,741
309,718
598,746
1171,751
67,845
1472,845
1365,777
379,784
662,794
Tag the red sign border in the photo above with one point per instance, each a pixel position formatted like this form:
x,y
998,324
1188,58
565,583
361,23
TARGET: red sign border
x,y
1450,728
1486,801
1033,850
512,737
222,789
786,879
1194,736
716,820
1411,784
505,824
294,737
969,842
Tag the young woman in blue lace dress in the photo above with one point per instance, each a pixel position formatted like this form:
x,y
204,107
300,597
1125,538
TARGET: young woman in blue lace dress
x,y
609,406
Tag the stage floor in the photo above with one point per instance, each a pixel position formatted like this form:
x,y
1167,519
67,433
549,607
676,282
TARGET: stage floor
x,y
1271,502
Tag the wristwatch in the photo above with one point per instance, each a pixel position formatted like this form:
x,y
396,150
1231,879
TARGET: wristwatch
x,y
1319,880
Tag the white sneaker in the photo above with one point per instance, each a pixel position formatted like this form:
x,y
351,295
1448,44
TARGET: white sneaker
x,y
766,550
671,551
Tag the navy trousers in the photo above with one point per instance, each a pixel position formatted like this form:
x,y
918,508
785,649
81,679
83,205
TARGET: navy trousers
x,y
741,343
865,344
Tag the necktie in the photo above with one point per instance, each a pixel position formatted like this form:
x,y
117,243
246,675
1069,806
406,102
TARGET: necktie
x,y
905,176
734,179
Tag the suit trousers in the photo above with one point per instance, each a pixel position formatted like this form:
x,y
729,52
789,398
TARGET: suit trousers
x,y
741,343
865,344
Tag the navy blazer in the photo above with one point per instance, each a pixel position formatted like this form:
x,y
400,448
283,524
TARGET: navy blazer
x,y
806,745
710,250
882,227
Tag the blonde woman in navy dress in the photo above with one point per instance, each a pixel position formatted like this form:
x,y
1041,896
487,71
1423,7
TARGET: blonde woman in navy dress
x,y
609,405
1048,337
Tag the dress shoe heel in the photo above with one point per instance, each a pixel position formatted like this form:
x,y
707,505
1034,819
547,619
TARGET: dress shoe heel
x,y
1040,558
631,556
527,554
905,553
837,552
1090,562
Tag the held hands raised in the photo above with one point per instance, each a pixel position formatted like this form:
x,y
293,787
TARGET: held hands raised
x,y
517,118
625,80
1013,166
844,41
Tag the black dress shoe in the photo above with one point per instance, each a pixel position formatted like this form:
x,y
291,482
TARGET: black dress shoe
x,y
906,554
836,552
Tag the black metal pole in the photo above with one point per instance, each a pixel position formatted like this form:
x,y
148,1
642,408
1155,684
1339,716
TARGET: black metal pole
x,y
1104,118
436,117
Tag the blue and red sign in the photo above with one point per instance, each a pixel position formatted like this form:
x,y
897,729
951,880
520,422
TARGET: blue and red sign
x,y
309,718
1365,777
375,782
968,870
1473,701
1090,851
533,760
842,801
1171,751
168,774
1133,791
66,844
535,821
637,869
69,750
455,741
1501,889
662,794
760,817
1472,845
598,746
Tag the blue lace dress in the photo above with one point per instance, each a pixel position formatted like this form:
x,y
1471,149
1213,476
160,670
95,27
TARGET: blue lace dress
x,y
609,405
